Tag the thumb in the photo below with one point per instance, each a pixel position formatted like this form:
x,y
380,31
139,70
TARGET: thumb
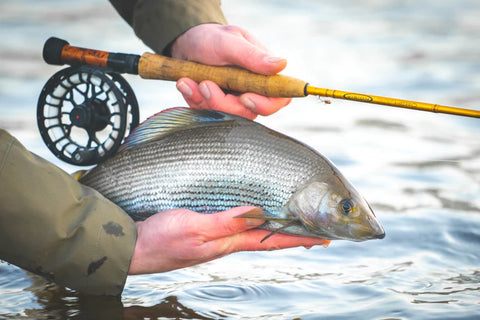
x,y
253,58
243,49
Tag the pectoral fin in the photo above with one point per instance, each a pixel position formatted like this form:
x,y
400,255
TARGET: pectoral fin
x,y
286,222
291,223
266,216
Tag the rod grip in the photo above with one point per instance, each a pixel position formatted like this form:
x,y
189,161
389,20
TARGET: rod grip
x,y
153,66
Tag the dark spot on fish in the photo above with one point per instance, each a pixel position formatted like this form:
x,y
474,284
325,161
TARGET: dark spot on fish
x,y
113,228
92,267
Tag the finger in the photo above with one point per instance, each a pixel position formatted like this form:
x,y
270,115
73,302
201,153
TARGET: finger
x,y
226,45
242,48
263,105
209,96
224,224
277,241
249,56
252,39
252,241
216,99
190,92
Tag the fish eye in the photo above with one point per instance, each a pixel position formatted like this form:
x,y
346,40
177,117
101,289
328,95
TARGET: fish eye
x,y
346,206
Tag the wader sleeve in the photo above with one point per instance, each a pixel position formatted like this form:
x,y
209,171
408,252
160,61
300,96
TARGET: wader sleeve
x,y
159,22
54,226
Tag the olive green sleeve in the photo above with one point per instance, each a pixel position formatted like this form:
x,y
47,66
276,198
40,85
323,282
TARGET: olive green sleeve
x,y
53,226
159,22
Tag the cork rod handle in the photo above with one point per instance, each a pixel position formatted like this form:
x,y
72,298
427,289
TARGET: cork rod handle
x,y
153,66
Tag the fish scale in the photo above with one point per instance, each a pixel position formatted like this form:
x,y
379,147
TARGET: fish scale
x,y
207,169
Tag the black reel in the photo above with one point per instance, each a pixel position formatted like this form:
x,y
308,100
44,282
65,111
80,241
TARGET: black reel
x,y
84,113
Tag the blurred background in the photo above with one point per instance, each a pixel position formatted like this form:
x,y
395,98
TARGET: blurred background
x,y
419,171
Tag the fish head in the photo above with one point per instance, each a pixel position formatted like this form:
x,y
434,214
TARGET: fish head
x,y
333,209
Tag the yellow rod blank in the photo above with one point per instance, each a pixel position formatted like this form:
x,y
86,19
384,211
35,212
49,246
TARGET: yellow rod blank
x,y
153,66
392,102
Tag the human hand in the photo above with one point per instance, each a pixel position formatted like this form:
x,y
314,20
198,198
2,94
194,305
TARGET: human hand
x,y
220,45
180,238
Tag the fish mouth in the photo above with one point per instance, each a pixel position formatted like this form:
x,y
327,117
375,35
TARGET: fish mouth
x,y
380,235
372,227
373,231
379,232
366,232
376,232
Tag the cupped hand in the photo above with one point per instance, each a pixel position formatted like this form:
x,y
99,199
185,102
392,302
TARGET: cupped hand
x,y
179,238
220,45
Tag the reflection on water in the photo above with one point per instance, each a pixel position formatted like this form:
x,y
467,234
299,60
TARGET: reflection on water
x,y
419,171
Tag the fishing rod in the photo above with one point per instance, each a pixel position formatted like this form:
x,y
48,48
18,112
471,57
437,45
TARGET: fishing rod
x,y
100,99
154,66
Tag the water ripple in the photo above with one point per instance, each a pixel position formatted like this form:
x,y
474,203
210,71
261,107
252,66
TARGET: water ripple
x,y
227,292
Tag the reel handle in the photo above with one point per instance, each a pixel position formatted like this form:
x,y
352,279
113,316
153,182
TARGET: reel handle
x,y
154,66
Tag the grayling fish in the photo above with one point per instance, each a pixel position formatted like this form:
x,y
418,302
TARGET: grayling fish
x,y
211,161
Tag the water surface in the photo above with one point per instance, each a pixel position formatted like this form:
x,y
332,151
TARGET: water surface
x,y
419,171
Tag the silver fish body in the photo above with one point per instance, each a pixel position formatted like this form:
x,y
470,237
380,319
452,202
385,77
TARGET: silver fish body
x,y
209,162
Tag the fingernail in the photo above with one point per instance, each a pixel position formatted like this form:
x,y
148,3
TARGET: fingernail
x,y
253,218
249,222
184,89
204,91
248,103
273,59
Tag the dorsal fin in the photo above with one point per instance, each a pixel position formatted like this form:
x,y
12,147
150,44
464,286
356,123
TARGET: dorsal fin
x,y
170,120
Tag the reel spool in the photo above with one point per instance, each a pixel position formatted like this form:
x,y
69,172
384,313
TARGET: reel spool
x,y
84,113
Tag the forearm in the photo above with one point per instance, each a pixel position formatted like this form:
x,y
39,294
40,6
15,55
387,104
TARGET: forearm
x,y
53,226
159,22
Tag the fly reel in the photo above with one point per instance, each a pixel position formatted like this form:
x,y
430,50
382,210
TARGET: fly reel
x,y
84,113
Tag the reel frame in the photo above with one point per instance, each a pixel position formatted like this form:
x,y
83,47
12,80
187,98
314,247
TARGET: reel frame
x,y
84,113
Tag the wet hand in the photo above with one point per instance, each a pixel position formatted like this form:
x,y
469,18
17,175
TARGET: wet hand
x,y
220,45
180,238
